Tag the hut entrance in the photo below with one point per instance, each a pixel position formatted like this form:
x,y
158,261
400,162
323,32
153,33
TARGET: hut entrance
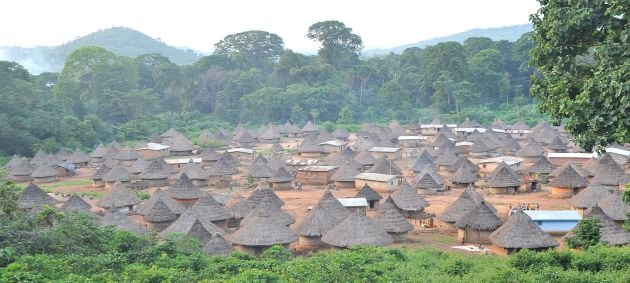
x,y
372,204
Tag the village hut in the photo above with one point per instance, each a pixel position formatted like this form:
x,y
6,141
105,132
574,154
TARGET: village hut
x,y
509,145
332,205
270,135
97,155
195,173
370,195
520,232
77,204
445,159
577,168
385,166
340,134
21,171
33,198
392,221
541,169
181,146
218,246
309,128
362,144
593,165
277,148
111,151
424,160
210,210
121,221
264,190
476,225
209,156
456,210
138,167
62,154
428,181
239,207
567,183
462,161
503,180
40,157
127,156
588,197
481,149
462,178
260,171
530,152
78,158
44,174
192,224
557,145
337,158
272,206
365,159
409,202
159,216
156,174
183,191
261,232
357,229
344,176
12,162
291,130
317,223
119,197
498,124
309,147
610,232
274,163
324,136
281,179
221,173
118,173
97,177
615,207
609,174
246,140
170,134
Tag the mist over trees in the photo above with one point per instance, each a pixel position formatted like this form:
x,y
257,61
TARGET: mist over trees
x,y
251,78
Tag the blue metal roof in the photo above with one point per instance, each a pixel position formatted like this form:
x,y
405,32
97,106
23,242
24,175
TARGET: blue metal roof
x,y
558,215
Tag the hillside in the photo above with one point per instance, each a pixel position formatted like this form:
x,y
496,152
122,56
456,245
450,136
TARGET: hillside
x,y
510,33
120,40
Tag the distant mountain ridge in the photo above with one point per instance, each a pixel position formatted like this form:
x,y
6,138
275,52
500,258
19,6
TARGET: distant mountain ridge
x,y
510,33
119,40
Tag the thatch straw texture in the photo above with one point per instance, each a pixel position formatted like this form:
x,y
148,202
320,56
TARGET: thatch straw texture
x,y
357,229
520,232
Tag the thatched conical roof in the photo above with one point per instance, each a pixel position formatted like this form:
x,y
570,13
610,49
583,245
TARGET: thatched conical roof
x,y
317,222
260,159
260,170
310,127
460,207
498,124
78,156
568,178
99,152
100,172
390,219
33,197
521,232
270,133
446,158
610,232
520,125
221,168
309,145
510,144
368,193
127,154
357,229
194,225
218,246
39,157
346,172
503,177
475,195
462,161
208,209
324,136
479,218
229,159
264,190
291,129
609,173
577,168
480,146
427,179
44,171
138,166
557,144
119,196
274,163
365,158
239,206
121,221
594,165
159,212
14,160
408,199
118,173
276,212
22,168
424,159
281,175
155,170
385,166
531,149
541,166
340,133
614,207
170,133
590,196
362,144
263,230
332,205
158,196
462,176
183,189
276,147
112,150
76,203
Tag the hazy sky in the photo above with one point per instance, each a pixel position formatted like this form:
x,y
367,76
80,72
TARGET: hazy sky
x,y
200,24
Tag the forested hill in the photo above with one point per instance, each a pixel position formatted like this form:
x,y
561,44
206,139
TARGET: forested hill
x,y
119,40
509,33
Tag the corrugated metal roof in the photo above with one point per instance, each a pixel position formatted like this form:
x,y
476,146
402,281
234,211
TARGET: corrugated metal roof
x,y
384,149
412,138
155,146
519,131
317,168
469,130
618,151
540,215
301,162
353,202
241,150
333,143
375,177
181,160
571,155
431,126
509,160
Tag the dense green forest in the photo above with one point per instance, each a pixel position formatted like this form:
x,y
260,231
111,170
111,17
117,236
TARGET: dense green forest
x,y
251,78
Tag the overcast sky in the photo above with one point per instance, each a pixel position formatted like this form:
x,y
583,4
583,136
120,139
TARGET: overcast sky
x,y
200,24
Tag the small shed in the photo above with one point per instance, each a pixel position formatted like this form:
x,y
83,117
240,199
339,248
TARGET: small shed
x,y
315,175
153,150
370,195
382,183
391,153
354,204
554,222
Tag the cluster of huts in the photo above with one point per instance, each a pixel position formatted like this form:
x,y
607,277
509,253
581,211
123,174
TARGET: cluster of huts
x,y
390,168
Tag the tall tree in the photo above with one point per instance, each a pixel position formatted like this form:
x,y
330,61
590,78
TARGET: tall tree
x,y
583,68
340,47
256,45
